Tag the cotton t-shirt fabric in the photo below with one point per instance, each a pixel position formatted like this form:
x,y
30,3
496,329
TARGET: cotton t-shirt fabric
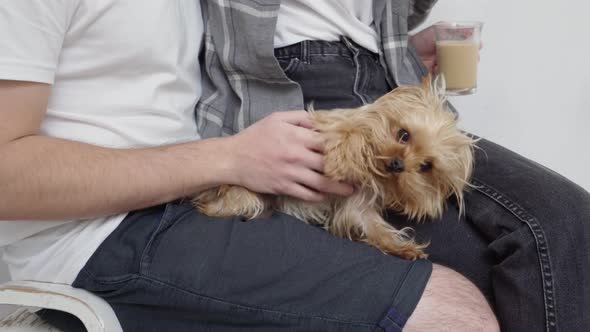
x,y
124,74
326,20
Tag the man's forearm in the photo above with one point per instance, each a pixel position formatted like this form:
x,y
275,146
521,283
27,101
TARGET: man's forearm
x,y
46,178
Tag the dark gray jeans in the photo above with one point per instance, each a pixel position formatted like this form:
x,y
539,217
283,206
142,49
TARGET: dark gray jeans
x,y
523,242
524,238
170,268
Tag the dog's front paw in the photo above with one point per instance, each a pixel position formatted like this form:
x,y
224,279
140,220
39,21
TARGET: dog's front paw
x,y
410,252
393,241
228,201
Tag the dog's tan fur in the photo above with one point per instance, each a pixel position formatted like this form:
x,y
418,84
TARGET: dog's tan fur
x,y
359,145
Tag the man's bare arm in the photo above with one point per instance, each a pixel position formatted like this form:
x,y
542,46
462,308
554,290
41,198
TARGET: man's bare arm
x,y
48,178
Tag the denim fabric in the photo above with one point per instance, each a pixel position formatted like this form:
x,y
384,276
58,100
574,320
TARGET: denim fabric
x,y
524,238
169,268
333,75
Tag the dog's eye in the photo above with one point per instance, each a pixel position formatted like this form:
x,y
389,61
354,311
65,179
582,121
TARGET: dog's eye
x,y
403,136
426,166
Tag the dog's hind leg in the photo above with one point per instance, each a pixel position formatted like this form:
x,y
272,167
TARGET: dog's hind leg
x,y
227,201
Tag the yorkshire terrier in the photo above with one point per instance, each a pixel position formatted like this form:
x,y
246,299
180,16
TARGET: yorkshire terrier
x,y
403,152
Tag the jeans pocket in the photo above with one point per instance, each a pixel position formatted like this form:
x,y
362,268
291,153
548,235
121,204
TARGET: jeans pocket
x,y
289,65
119,255
171,214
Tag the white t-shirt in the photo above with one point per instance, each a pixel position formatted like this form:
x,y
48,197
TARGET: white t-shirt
x,y
124,74
326,20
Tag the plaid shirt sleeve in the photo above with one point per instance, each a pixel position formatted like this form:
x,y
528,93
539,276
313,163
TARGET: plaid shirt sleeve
x,y
419,12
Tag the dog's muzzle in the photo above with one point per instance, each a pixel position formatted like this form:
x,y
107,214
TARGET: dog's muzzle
x,y
396,166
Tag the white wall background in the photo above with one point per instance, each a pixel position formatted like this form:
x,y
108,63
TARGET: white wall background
x,y
534,79
534,86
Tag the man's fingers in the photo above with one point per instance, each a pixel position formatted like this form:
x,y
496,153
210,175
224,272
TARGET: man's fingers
x,y
306,123
430,64
315,161
322,184
306,194
480,47
297,118
310,139
315,142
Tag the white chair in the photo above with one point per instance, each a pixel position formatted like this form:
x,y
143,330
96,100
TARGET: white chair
x,y
26,297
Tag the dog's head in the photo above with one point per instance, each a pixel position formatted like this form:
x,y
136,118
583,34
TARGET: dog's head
x,y
405,147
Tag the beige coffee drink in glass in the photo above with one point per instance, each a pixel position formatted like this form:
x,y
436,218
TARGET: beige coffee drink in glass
x,y
457,51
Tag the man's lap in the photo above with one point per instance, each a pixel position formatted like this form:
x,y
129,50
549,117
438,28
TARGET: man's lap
x,y
522,241
221,272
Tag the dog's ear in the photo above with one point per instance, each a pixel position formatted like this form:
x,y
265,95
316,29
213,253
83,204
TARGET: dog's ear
x,y
439,86
351,158
350,152
434,90
427,82
462,164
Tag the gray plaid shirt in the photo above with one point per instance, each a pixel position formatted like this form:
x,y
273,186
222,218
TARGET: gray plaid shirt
x,y
242,80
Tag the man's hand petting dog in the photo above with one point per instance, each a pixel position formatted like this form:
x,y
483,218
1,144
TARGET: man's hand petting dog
x,y
281,154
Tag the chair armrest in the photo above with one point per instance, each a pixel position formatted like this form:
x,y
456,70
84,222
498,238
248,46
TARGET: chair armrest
x,y
94,312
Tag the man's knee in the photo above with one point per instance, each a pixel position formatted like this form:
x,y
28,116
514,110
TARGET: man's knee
x,y
451,303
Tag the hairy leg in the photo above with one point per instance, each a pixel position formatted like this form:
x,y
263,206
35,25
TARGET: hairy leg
x,y
451,303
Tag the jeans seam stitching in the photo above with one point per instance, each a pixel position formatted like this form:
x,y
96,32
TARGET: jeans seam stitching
x,y
367,77
89,275
355,52
393,322
251,307
143,264
401,284
541,244
166,219
292,66
305,51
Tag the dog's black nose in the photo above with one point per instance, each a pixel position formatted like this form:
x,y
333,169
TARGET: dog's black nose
x,y
396,165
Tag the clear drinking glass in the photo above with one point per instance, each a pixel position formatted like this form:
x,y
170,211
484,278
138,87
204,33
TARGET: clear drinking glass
x,y
457,52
